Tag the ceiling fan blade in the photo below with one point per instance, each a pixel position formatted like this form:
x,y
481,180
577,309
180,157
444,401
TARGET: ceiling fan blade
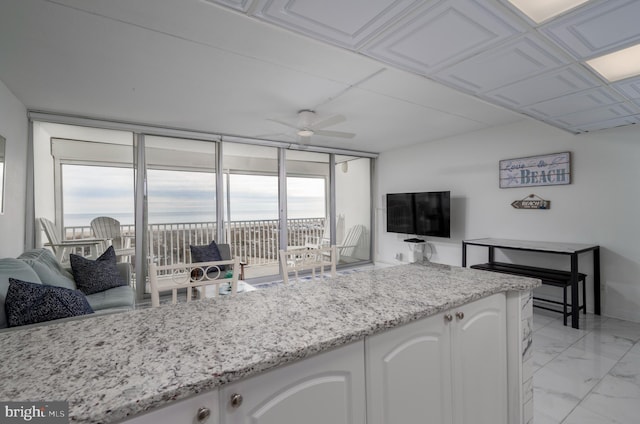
x,y
328,121
338,134
286,124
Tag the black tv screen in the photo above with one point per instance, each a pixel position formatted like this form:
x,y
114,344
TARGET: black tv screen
x,y
423,214
433,214
400,215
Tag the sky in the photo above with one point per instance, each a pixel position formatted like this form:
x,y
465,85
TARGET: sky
x,y
180,196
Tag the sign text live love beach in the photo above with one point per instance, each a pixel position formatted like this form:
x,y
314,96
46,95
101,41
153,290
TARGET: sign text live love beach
x,y
531,171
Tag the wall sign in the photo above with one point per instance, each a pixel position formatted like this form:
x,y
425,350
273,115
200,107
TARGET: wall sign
x,y
532,202
545,170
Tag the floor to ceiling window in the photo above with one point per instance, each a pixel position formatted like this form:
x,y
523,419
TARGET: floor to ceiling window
x,y
180,197
80,175
251,206
192,192
308,222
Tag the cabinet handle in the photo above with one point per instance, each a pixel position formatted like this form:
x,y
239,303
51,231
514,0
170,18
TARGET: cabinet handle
x,y
448,317
236,400
203,414
460,315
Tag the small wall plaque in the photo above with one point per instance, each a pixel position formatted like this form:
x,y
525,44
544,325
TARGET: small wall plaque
x,y
532,202
553,169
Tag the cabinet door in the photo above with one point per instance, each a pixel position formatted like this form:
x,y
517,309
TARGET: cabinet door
x,y
408,374
326,388
200,409
479,351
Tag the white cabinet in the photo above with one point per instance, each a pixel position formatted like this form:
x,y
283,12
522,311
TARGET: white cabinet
x,y
479,364
326,388
200,409
447,368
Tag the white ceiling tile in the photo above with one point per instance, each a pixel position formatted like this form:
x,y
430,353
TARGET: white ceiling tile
x,y
441,33
411,123
592,31
242,5
544,87
346,23
618,122
578,102
629,87
398,84
592,116
510,62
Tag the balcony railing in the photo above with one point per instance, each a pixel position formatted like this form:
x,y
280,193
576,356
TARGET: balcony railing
x,y
255,242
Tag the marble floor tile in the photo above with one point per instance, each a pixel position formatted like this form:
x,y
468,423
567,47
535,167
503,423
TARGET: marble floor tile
x,y
552,406
581,415
625,329
619,392
603,344
586,376
574,372
543,318
546,348
559,332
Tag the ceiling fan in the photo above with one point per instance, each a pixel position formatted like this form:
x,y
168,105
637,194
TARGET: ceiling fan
x,y
310,124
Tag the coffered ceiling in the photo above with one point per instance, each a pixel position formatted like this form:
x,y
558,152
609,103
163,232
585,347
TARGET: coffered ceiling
x,y
486,48
400,71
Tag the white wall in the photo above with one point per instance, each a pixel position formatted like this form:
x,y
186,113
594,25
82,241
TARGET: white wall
x,y
600,206
13,126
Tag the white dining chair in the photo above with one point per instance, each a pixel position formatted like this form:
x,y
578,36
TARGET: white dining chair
x,y
307,260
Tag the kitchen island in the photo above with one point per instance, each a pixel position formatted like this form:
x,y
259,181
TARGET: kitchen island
x,y
116,367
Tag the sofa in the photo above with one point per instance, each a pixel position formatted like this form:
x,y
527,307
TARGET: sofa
x,y
40,266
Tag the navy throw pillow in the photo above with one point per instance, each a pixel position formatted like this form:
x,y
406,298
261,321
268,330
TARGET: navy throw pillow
x,y
206,253
96,276
30,303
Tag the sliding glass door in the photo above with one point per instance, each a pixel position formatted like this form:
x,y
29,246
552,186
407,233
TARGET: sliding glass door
x,y
251,206
308,213
173,192
180,197
82,174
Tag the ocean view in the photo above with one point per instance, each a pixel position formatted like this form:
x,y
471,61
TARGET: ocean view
x,y
84,219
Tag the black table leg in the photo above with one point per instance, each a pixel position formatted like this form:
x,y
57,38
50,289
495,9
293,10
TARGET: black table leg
x,y
492,254
596,280
464,254
575,313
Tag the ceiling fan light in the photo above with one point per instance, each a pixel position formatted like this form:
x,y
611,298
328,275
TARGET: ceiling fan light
x,y
305,133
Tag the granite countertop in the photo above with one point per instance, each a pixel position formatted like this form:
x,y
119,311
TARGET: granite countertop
x,y
114,366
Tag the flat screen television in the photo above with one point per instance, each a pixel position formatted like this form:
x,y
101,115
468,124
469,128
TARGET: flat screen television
x,y
422,214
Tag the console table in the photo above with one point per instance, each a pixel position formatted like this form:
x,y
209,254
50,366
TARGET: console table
x,y
573,250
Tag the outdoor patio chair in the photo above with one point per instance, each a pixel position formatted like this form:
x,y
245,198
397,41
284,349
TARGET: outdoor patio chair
x,y
305,260
325,239
110,231
61,248
346,251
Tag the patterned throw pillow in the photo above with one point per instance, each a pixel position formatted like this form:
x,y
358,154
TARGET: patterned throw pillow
x,y
30,303
206,253
96,276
